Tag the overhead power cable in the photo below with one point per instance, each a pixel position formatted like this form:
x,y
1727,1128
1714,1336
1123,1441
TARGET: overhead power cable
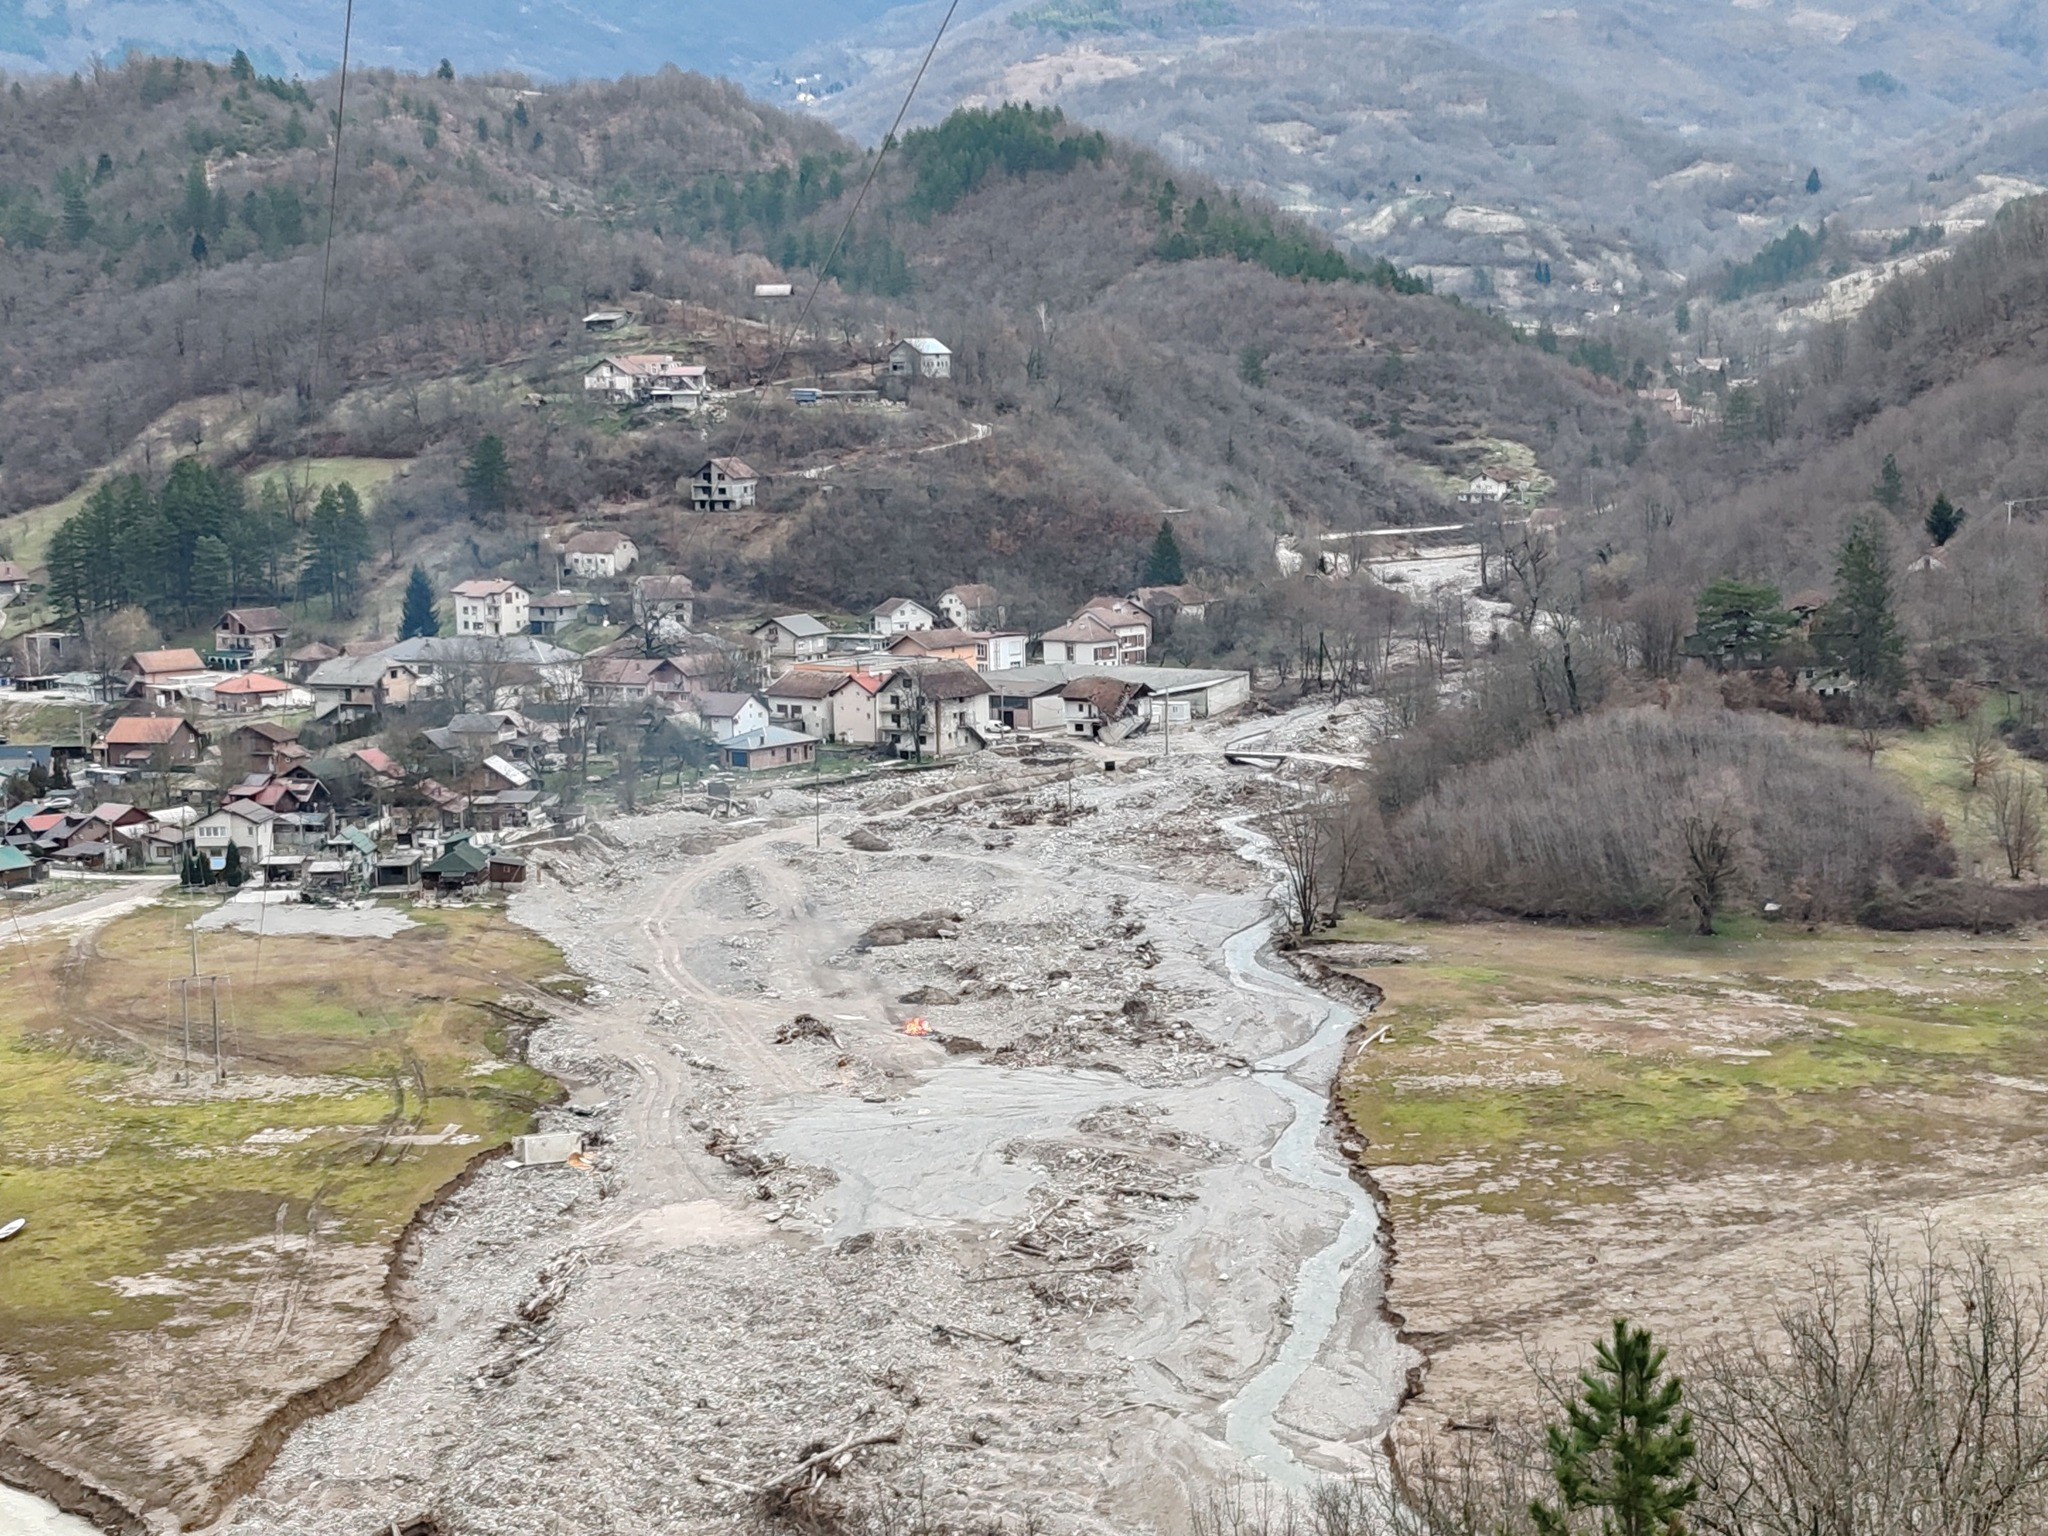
x,y
348,21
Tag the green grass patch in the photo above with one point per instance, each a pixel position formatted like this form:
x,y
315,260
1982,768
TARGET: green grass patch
x,y
1523,1065
142,1192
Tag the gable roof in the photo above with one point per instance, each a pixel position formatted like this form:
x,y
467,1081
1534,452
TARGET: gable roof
x,y
723,706
269,621
890,605
934,639
597,541
807,683
162,663
459,858
144,730
1086,628
945,680
930,346
732,469
770,736
664,586
802,625
485,586
269,730
253,684
974,594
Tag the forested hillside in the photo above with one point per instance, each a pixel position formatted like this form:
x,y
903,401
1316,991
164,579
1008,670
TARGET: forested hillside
x,y
1135,337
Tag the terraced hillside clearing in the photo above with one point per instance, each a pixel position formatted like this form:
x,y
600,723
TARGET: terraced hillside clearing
x,y
203,1261
1573,1125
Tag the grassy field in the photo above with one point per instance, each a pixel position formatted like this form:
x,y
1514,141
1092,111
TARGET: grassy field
x,y
129,1179
1532,1071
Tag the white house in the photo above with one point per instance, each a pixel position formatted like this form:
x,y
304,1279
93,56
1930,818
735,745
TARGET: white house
x,y
900,615
649,378
971,605
599,552
933,709
1108,632
726,715
490,606
1484,490
1000,650
723,485
251,827
921,357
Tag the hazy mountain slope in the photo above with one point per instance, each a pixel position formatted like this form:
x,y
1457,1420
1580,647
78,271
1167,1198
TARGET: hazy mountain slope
x,y
1631,137
1119,356
549,39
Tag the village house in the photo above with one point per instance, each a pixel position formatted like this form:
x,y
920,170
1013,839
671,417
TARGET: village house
x,y
554,611
309,656
1028,699
723,485
633,680
732,714
150,741
1087,639
971,605
801,699
899,616
251,827
490,605
13,581
649,378
922,357
253,692
934,710
1166,604
263,746
827,702
769,747
664,597
605,319
1484,490
598,554
792,637
251,632
18,869
1100,707
934,645
160,675
355,687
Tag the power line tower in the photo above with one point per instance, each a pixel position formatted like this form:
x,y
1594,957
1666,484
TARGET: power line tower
x,y
200,1004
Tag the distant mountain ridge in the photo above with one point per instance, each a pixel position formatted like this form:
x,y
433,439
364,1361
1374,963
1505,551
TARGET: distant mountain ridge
x,y
548,39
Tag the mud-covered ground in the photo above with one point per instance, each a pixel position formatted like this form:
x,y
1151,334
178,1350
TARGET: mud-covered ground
x,y
1035,1250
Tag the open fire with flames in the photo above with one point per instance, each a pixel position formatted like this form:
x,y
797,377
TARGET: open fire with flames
x,y
916,1027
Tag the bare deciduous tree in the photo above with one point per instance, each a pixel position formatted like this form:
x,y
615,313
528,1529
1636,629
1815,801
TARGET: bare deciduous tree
x,y
2016,819
1979,751
1303,834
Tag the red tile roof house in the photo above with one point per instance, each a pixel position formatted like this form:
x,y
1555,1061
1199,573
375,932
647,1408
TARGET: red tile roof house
x,y
157,674
251,692
147,741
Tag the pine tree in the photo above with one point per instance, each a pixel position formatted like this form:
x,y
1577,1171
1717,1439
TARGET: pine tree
x,y
240,68
1944,520
418,617
338,545
1682,317
77,216
197,211
1738,624
487,477
1813,181
1626,1447
1858,631
233,875
1637,442
1890,490
445,72
1163,566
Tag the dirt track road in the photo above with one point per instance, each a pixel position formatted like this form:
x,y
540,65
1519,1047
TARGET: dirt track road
x,y
1049,1241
